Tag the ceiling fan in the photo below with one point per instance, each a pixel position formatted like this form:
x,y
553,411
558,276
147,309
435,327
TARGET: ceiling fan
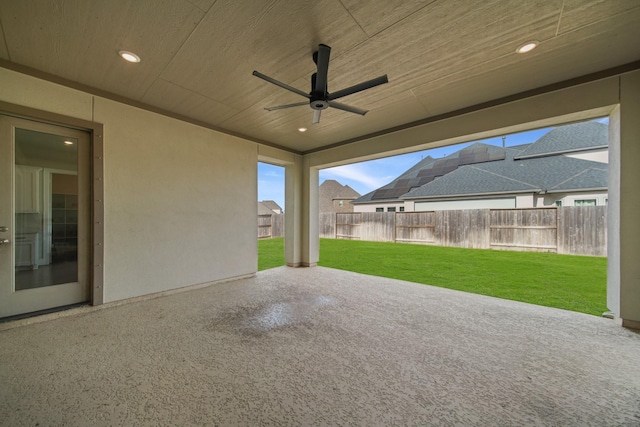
x,y
320,98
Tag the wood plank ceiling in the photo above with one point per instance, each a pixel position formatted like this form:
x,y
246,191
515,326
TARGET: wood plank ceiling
x,y
198,55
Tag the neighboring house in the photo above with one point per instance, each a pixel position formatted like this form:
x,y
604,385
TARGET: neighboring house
x,y
270,204
565,167
264,210
335,197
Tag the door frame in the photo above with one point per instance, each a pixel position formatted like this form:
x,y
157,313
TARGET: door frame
x,y
96,199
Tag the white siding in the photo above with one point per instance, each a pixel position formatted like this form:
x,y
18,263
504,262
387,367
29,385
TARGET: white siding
x,y
569,199
501,203
372,207
525,201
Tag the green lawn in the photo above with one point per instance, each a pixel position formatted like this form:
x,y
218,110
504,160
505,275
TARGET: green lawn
x,y
270,253
576,283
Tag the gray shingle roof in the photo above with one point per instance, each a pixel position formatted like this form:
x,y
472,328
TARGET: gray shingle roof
x,y
554,173
485,169
429,169
469,180
594,178
569,138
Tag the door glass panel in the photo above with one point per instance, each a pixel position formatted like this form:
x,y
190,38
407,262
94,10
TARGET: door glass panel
x,y
46,209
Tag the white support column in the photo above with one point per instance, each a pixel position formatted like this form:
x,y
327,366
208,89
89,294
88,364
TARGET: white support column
x,y
310,212
292,210
301,214
623,278
613,214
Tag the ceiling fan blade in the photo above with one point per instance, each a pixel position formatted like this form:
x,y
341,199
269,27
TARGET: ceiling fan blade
x,y
322,62
348,108
359,87
316,116
282,85
282,107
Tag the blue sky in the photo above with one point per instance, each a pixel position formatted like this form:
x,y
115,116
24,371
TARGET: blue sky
x,y
367,176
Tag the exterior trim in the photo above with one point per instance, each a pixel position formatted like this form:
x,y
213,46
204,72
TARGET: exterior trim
x,y
580,190
555,153
455,196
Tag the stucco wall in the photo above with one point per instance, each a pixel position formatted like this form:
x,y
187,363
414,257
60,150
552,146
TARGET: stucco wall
x,y
180,203
180,200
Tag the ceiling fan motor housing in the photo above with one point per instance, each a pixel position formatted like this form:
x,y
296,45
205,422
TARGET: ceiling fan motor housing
x,y
319,104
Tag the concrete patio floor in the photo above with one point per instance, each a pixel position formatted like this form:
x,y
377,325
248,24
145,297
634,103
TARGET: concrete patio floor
x,y
318,346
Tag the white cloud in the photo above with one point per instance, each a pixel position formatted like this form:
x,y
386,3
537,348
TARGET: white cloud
x,y
358,173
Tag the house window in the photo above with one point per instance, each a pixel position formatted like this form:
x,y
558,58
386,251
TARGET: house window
x,y
558,202
585,202
379,209
401,208
391,209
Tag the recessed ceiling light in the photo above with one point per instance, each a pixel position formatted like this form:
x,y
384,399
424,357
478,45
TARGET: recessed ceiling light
x,y
68,142
528,46
129,56
302,129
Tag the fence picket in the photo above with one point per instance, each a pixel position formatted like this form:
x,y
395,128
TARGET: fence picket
x,y
580,230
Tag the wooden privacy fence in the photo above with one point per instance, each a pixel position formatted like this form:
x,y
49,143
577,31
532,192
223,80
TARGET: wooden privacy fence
x,y
415,227
363,225
347,225
264,226
270,226
524,229
580,230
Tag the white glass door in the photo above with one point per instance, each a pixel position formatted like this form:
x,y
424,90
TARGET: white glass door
x,y
44,216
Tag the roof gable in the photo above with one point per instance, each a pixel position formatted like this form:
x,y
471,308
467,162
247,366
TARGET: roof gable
x,y
429,169
332,189
569,138
271,205
263,210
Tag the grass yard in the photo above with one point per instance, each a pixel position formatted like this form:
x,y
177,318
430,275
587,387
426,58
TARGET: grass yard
x,y
270,253
576,283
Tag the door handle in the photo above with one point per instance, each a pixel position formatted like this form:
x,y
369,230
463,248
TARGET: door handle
x,y
4,241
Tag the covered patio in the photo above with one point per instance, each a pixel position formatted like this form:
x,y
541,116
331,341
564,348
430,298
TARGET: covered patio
x,y
167,154
318,347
